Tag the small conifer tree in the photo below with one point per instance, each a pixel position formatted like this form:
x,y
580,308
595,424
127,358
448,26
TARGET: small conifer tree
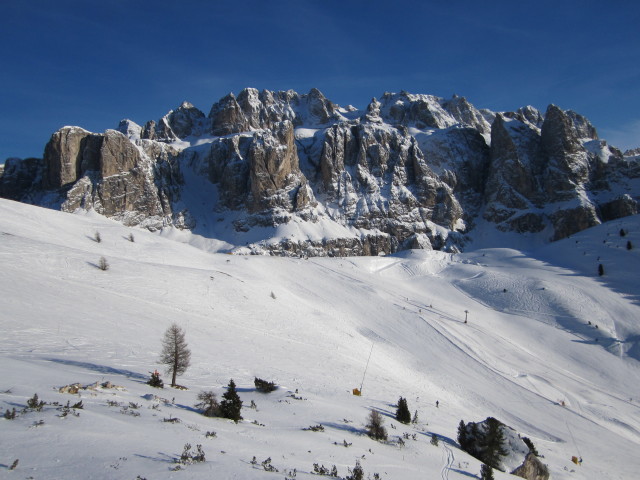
x,y
357,473
493,443
600,269
175,352
231,404
532,447
34,403
403,415
375,427
103,264
629,245
155,380
434,439
463,438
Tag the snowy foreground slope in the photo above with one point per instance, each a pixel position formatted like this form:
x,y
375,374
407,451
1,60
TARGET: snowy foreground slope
x,y
309,325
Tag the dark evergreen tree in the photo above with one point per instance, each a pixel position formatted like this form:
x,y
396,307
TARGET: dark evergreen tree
x,y
155,380
600,270
463,438
532,447
486,472
403,415
264,386
231,404
493,443
629,245
175,352
622,232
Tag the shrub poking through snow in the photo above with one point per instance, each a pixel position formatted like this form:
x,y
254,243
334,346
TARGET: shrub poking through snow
x,y
266,464
96,237
155,380
34,403
208,404
434,440
73,409
103,264
188,457
375,427
264,386
315,428
322,470
357,473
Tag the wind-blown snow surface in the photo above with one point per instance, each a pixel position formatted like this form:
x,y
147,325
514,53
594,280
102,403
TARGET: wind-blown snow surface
x,y
522,353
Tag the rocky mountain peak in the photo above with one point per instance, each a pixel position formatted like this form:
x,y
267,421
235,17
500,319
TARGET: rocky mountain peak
x,y
412,171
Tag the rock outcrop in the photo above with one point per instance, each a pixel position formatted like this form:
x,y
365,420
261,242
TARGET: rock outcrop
x,y
501,447
532,469
411,171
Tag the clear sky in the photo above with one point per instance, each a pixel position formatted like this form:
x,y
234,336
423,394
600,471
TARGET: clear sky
x,y
91,63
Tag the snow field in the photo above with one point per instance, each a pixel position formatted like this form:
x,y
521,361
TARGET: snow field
x,y
520,355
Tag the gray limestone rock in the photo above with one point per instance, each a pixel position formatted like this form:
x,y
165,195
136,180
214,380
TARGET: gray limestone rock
x,y
412,171
532,469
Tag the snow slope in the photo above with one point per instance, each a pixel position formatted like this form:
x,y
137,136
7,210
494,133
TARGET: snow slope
x,y
309,325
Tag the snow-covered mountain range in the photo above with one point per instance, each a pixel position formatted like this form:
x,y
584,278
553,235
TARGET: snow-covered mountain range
x,y
296,174
548,347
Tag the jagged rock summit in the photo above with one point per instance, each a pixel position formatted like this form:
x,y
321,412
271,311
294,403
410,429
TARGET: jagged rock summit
x,y
296,174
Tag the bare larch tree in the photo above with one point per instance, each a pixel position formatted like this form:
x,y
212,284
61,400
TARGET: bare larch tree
x,y
175,352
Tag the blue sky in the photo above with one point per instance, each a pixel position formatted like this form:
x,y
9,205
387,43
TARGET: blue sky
x,y
92,63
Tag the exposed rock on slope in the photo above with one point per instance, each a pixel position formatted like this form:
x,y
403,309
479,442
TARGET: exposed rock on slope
x,y
502,448
412,171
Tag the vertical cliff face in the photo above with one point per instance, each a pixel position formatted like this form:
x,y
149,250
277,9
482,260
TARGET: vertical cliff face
x,y
410,171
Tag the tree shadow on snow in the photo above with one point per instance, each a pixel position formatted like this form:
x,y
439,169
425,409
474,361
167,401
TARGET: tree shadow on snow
x,y
462,472
245,389
163,457
187,407
99,368
441,438
344,427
